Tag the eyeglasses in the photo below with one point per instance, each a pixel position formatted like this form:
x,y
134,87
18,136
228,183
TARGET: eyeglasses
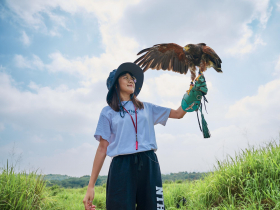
x,y
131,78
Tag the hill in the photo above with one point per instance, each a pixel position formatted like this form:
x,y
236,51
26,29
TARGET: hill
x,y
78,182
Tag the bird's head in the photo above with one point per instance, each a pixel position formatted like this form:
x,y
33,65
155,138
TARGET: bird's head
x,y
188,47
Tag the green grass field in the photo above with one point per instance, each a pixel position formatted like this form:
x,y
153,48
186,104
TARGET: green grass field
x,y
250,180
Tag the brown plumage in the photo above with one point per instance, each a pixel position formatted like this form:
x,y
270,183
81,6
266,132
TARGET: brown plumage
x,y
173,57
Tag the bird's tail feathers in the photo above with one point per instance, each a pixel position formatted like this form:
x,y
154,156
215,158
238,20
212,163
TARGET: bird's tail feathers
x,y
219,70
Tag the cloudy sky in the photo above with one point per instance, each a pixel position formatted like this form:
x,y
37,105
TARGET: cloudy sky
x,y
56,55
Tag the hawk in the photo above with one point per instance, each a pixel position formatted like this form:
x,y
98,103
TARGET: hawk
x,y
173,57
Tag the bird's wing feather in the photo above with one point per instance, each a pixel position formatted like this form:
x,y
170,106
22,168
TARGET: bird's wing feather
x,y
209,51
164,56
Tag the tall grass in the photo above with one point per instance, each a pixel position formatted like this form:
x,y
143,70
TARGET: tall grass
x,y
20,191
250,180
60,198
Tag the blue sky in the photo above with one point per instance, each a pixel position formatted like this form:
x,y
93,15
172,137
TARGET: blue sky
x,y
55,58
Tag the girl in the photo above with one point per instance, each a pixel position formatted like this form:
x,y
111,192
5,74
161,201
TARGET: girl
x,y
125,132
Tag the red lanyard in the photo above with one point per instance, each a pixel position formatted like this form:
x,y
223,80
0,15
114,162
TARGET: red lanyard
x,y
134,124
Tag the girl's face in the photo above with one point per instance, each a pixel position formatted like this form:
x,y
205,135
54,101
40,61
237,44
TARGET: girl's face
x,y
126,83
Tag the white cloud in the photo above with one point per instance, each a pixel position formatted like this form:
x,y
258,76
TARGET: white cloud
x,y
167,88
31,12
74,162
244,45
91,69
259,113
191,152
21,62
277,67
41,139
278,6
60,109
25,39
262,11
37,139
266,100
37,63
223,27
34,63
2,68
57,138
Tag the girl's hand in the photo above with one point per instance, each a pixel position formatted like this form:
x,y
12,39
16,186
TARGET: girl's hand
x,y
88,199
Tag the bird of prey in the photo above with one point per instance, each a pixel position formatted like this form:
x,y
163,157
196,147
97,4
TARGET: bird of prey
x,y
179,59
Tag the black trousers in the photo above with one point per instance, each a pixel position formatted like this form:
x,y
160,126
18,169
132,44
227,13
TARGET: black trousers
x,y
135,179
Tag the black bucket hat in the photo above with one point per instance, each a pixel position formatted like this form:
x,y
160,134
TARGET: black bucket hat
x,y
134,69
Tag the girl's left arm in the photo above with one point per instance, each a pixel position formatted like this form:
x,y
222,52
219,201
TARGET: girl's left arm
x,y
177,114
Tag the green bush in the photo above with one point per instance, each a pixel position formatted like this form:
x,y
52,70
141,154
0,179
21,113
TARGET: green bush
x,y
21,190
167,182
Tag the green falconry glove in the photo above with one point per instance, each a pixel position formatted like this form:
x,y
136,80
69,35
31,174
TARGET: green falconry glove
x,y
192,99
192,102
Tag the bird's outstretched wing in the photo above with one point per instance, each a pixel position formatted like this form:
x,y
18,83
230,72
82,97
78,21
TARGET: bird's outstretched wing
x,y
164,56
213,57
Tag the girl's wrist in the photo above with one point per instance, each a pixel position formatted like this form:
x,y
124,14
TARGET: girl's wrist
x,y
90,187
90,184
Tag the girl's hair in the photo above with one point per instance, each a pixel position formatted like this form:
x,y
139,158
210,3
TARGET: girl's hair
x,y
114,104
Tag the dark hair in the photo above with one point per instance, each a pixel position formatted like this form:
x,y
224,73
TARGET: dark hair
x,y
114,103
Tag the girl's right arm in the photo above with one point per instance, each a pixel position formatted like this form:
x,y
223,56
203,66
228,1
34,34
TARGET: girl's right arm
x,y
97,165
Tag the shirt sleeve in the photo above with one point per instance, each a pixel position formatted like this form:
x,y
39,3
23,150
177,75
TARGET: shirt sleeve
x,y
160,114
103,128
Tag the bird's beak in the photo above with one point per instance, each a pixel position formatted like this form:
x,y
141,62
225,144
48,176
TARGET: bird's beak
x,y
186,48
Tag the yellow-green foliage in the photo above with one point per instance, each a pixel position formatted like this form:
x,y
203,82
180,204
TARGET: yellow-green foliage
x,y
20,191
63,198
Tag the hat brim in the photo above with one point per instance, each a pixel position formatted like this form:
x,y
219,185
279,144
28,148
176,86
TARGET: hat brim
x,y
135,70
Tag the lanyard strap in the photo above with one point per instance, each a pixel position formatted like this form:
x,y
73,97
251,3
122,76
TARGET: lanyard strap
x,y
135,126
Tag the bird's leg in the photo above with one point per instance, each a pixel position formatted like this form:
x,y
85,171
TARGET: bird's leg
x,y
193,74
200,73
192,69
202,66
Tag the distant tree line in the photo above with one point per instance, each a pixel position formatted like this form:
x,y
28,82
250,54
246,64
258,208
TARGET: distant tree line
x,y
73,182
79,182
182,176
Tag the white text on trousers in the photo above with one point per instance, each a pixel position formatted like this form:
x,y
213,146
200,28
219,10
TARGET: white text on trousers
x,y
160,202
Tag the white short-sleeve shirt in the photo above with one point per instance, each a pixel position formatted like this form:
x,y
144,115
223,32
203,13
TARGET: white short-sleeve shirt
x,y
120,132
